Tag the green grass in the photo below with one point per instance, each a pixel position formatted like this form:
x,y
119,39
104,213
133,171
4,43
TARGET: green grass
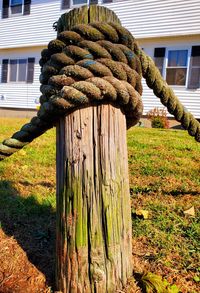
x,y
165,180
164,170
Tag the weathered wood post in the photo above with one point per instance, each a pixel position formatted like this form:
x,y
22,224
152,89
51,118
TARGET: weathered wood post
x,y
93,204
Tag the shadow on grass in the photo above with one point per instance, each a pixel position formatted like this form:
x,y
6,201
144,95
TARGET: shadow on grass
x,y
32,225
180,192
148,190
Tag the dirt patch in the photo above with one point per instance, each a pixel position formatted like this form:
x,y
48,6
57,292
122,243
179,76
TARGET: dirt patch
x,y
17,274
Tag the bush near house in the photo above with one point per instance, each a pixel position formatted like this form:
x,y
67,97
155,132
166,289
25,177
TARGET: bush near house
x,y
158,118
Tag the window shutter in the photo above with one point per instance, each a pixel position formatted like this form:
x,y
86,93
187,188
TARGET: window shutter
x,y
195,51
159,52
27,7
5,8
93,1
107,1
65,4
4,71
159,57
30,71
194,70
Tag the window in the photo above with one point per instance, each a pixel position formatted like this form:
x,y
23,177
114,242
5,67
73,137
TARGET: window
x,y
15,7
179,66
159,57
13,70
176,70
66,4
18,70
194,74
79,2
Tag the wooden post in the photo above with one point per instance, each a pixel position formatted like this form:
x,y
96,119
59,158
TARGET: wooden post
x,y
93,202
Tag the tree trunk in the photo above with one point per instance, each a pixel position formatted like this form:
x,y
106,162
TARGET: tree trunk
x,y
93,203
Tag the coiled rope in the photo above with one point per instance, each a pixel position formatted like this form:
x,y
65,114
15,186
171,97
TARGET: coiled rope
x,y
92,64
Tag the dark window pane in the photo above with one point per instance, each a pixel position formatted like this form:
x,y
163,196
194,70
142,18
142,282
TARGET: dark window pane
x,y
182,58
22,70
15,2
76,2
16,9
177,58
13,70
176,76
172,58
170,78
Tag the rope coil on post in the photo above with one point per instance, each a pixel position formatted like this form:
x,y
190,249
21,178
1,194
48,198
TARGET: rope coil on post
x,y
92,64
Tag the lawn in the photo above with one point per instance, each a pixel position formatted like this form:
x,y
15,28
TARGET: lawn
x,y
164,170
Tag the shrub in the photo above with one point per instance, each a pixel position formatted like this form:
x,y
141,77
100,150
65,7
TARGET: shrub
x,y
158,118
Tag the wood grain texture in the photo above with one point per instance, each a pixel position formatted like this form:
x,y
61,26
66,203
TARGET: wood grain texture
x,y
86,14
93,203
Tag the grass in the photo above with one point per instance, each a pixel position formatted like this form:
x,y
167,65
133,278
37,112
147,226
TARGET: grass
x,y
164,173
165,180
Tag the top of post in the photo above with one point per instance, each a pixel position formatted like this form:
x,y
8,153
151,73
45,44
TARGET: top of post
x,y
84,15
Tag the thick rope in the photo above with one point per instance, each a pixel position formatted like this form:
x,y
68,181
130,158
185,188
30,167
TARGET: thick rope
x,y
81,68
93,64
167,97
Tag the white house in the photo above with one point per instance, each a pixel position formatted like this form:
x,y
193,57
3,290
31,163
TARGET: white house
x,y
167,30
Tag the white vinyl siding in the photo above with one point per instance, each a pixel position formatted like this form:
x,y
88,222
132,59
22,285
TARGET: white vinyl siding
x,y
21,94
30,30
145,19
159,18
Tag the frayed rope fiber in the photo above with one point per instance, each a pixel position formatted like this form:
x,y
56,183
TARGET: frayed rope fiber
x,y
92,64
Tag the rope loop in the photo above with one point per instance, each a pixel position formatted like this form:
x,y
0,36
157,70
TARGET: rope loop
x,y
92,64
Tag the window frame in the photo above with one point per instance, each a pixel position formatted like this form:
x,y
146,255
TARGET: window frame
x,y
77,5
165,65
6,69
17,72
71,5
7,10
10,14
